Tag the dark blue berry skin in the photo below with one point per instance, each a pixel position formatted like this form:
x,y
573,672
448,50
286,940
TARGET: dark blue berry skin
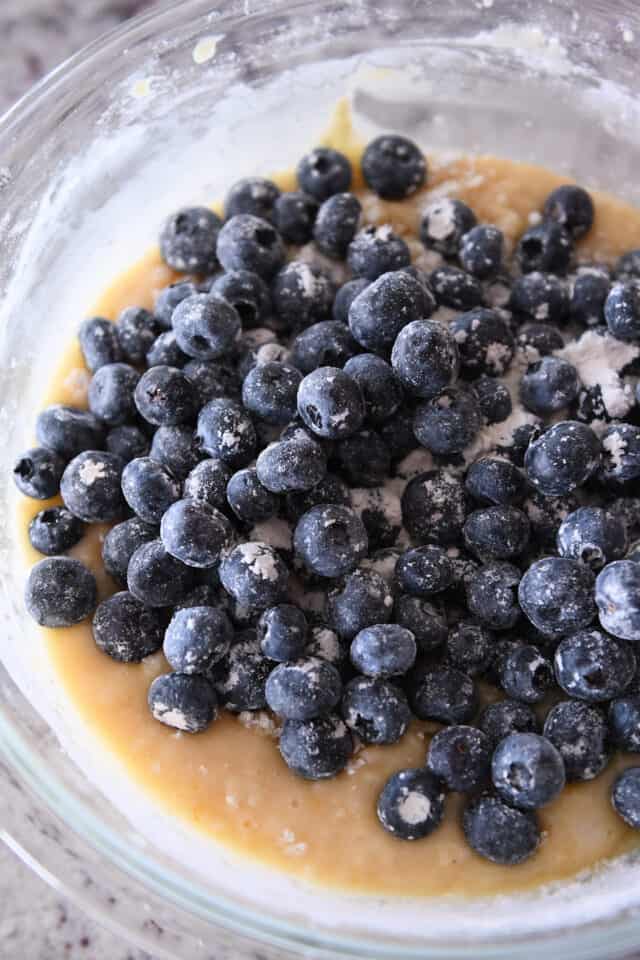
x,y
444,224
498,832
563,458
345,295
247,293
169,298
593,535
324,172
111,393
60,592
331,489
125,629
331,540
90,487
593,666
493,398
337,224
302,294
393,167
425,358
270,392
460,757
188,240
579,732
137,330
527,770
434,508
618,599
424,571
546,514
186,702
241,675
254,574
377,250
330,403
624,722
539,297
397,433
548,385
251,195
383,650
379,511
628,266
448,423
411,804
121,542
294,215
589,290
425,621
470,647
68,431
316,749
379,312
492,595
364,459
492,480
556,594
481,250
149,488
203,595
485,342
213,380
289,465
283,632
195,533
166,352
455,288
226,432
622,311
206,326
444,694
497,532
37,473
538,339
248,498
545,247
176,448
99,342
621,453
250,243
375,710
208,482
165,396
157,579
361,600
196,639
380,387
625,796
572,207
54,531
303,689
327,343
500,719
525,674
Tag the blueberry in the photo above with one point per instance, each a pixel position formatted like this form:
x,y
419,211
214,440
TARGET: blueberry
x,y
203,595
121,542
247,293
497,532
469,647
294,215
149,488
538,340
572,207
289,465
525,674
540,298
625,796
165,396
411,804
156,578
248,498
621,452
226,432
186,702
169,298
246,242
493,398
364,459
579,732
563,458
492,480
424,571
331,489
254,575
99,342
481,251
527,770
195,533
444,223
68,431
448,423
196,639
206,326
589,290
188,240
137,329
324,172
176,448
253,195
345,295
624,721
376,710
330,402
556,594
165,351
492,595
500,719
54,531
331,540
592,535
37,473
622,311
111,393
460,757
384,307
377,250
499,833
327,343
60,592
383,650
241,675
380,387
283,632
618,599
421,618
444,694
302,294
270,390
90,487
545,247
628,266
361,600
337,224
393,167
455,288
593,666
125,629
397,433
316,749
464,569
548,385
434,507
485,342
380,511
213,380
207,482
303,689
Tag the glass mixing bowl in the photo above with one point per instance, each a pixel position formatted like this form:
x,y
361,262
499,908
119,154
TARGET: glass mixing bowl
x,y
169,110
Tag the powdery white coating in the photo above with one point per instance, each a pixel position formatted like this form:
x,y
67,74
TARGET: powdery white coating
x,y
259,558
442,222
90,471
598,360
414,807
616,446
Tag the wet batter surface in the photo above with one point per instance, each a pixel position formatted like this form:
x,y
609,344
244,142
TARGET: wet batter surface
x,y
230,781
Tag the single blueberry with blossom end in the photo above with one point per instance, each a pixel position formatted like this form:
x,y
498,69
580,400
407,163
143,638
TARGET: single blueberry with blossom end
x,y
556,594
411,804
593,666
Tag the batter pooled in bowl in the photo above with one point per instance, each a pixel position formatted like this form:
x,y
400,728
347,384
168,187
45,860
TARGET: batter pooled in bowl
x,y
377,480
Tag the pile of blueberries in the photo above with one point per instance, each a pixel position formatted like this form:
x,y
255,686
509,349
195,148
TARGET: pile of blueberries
x,y
256,393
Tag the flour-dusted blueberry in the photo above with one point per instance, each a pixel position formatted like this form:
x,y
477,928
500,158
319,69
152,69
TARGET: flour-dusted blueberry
x,y
54,531
434,507
188,240
345,295
579,732
156,578
177,449
449,422
196,639
149,488
90,487
165,396
203,595
195,533
556,594
563,458
455,288
594,666
302,294
226,432
539,297
121,542
213,380
330,403
327,343
547,246
460,757
248,498
99,342
538,340
364,459
383,650
622,311
589,289
330,539
206,326
380,387
548,385
360,600
384,307
593,535
247,242
270,392
572,207
444,223
247,293
255,575
625,796
316,749
493,480
492,595
59,592
125,629
411,804
464,567
376,710
323,172
337,224
470,647
283,632
137,329
111,393
628,266
208,482
493,398
498,832
377,250
624,721
331,489
424,571
380,511
525,674
165,351
497,532
68,431
37,473
241,675
394,167
252,195
425,358
303,689
397,433
621,453
500,719
294,215
481,251
169,298
421,618
527,770
289,465
618,599
186,702
443,693
485,342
